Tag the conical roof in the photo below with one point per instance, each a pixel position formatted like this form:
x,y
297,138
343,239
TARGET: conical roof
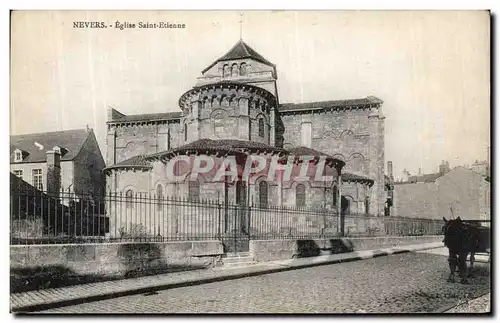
x,y
238,51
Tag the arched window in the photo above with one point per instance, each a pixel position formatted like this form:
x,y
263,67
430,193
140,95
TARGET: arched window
x,y
335,193
243,69
159,197
234,70
300,195
194,191
185,132
226,71
261,127
263,194
129,199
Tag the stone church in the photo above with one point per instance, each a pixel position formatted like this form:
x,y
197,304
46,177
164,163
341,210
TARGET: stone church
x,y
234,108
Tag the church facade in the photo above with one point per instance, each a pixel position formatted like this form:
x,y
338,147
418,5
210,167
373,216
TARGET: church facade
x,y
234,110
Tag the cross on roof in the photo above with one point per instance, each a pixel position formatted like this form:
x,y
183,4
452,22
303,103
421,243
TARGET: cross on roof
x,y
241,25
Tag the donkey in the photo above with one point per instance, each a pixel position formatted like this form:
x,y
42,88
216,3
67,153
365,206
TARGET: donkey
x,y
461,239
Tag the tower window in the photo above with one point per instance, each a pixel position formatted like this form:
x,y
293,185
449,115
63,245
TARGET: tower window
x,y
234,70
185,132
261,128
243,69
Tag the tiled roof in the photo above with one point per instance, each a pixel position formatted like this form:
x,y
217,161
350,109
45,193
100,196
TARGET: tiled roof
x,y
238,51
134,162
70,140
149,117
328,104
221,145
305,151
356,178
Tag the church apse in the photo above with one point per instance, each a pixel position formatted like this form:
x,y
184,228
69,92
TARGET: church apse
x,y
228,110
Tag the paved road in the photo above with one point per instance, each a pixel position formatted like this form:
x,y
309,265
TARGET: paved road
x,y
404,283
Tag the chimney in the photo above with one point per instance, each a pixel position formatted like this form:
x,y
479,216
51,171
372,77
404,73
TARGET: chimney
x,y
389,170
53,172
444,167
419,171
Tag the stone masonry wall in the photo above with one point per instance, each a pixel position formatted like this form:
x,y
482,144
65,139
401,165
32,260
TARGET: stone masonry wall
x,y
355,136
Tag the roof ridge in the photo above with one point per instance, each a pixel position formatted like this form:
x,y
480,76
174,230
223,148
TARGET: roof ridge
x,y
48,132
245,45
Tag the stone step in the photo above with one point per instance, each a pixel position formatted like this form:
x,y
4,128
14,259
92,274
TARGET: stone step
x,y
235,260
237,254
240,264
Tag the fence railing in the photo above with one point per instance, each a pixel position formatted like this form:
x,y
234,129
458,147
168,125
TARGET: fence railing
x,y
41,218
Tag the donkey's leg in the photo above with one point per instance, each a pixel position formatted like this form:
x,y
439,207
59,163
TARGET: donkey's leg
x,y
452,262
472,258
462,264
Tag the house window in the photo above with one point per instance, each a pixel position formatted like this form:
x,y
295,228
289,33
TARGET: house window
x,y
128,199
306,134
159,197
194,191
261,127
18,156
300,195
263,194
37,179
19,173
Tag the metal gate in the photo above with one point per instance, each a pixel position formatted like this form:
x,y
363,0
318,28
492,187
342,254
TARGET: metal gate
x,y
236,236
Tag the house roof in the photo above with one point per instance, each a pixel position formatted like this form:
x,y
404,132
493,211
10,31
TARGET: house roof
x,y
426,178
69,140
148,117
239,51
329,104
17,184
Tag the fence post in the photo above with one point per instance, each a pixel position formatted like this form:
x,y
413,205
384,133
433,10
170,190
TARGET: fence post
x,y
249,222
219,208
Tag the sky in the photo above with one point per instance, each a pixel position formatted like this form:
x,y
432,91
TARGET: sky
x,y
431,69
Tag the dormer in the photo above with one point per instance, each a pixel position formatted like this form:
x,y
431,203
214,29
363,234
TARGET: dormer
x,y
19,155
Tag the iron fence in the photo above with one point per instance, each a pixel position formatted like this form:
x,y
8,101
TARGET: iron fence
x,y
40,218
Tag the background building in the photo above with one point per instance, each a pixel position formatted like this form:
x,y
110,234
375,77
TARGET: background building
x,y
64,160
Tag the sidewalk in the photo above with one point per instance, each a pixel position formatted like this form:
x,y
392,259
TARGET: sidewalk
x,y
50,298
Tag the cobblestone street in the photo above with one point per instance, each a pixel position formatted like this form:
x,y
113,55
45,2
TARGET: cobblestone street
x,y
403,283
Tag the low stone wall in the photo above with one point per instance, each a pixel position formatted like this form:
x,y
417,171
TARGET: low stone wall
x,y
268,250
117,259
